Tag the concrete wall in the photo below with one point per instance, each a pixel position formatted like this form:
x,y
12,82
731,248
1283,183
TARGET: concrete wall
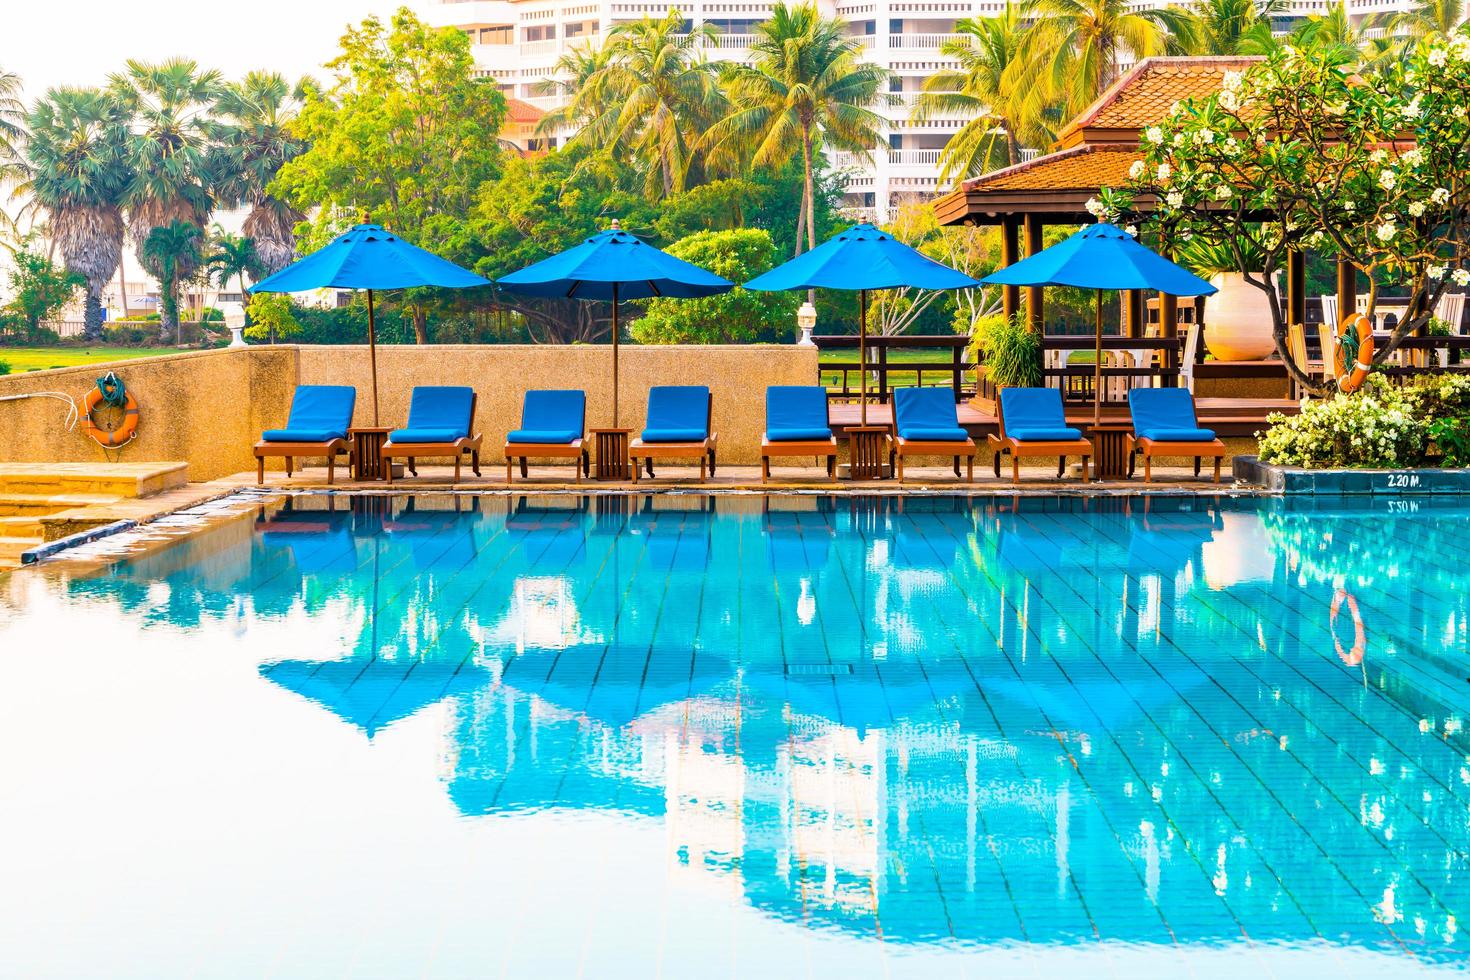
x,y
208,408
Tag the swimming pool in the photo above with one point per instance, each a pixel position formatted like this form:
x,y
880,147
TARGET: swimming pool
x,y
694,735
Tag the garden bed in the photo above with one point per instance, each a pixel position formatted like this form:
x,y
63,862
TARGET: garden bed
x,y
1384,482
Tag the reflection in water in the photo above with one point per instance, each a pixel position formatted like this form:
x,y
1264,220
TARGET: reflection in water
x,y
932,719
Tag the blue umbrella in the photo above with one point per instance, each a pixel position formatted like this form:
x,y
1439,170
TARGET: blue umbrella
x,y
1101,256
614,265
368,257
862,258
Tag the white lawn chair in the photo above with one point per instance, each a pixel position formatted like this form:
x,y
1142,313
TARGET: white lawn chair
x,y
1451,309
1187,356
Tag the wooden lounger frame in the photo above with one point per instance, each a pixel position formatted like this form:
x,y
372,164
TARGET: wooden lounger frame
x,y
704,451
916,447
1061,449
411,451
817,448
1149,448
290,450
575,451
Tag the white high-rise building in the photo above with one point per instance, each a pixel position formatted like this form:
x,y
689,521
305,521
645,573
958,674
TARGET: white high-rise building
x,y
518,42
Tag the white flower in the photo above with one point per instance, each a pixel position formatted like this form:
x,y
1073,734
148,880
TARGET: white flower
x,y
1174,199
1348,206
1204,137
1438,57
1412,158
1441,195
1164,173
1154,134
1178,139
1229,101
1132,231
1135,171
1412,109
1387,231
1232,147
1378,156
1095,207
1231,81
1336,108
1386,179
1223,192
1435,272
1461,277
1417,209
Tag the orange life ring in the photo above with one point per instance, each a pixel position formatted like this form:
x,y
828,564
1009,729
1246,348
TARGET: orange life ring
x,y
1353,657
1350,376
116,438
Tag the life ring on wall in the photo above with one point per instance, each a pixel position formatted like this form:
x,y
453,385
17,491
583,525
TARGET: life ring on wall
x,y
1353,354
110,393
1353,657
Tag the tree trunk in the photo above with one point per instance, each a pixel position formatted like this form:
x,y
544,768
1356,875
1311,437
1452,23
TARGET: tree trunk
x,y
420,325
122,288
93,319
809,193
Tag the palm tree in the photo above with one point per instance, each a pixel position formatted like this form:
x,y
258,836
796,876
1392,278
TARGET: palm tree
x,y
255,139
1075,47
233,257
654,96
1430,17
982,88
808,88
12,127
77,158
170,146
173,249
1226,27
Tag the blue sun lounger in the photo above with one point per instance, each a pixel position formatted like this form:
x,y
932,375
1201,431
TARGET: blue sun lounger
x,y
1032,423
677,428
926,423
553,426
1164,424
797,425
316,426
439,424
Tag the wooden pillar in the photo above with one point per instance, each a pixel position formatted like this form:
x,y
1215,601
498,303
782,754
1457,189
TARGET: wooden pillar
x,y
1296,287
1010,254
1134,313
1035,311
1347,290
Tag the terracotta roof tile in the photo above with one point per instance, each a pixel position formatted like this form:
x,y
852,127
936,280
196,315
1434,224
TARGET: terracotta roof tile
x,y
1144,95
1078,168
518,111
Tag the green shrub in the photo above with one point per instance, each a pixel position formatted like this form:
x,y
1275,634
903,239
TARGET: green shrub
x,y
1010,350
1373,427
4,368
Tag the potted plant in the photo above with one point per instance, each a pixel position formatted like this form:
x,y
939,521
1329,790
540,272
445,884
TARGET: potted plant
x,y
1007,353
1238,317
1437,327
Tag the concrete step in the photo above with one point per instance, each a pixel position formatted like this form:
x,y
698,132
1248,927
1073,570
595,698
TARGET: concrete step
x,y
30,504
22,527
117,479
10,549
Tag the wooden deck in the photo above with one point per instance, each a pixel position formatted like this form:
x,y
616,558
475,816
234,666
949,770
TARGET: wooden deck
x,y
1227,416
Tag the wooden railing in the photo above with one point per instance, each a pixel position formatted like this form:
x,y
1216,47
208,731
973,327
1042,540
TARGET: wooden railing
x,y
1128,362
842,378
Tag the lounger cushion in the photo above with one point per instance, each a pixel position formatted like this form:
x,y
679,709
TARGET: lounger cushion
x,y
301,435
796,413
1166,415
935,434
439,410
1178,435
551,417
401,436
1035,410
1043,433
319,413
677,413
927,415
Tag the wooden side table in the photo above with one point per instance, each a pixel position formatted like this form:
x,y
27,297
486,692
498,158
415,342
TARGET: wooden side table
x,y
1110,449
867,451
612,453
367,451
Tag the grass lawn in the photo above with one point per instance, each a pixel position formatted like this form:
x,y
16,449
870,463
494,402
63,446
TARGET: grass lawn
x,y
39,358
939,357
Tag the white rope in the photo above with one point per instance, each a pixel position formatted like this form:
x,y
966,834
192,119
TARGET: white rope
x,y
72,414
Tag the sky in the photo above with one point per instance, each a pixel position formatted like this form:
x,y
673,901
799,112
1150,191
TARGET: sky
x,y
80,42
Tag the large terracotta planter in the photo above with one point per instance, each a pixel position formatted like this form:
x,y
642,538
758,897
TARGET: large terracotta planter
x,y
1237,320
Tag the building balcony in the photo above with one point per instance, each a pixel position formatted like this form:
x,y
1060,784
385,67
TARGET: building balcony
x,y
923,42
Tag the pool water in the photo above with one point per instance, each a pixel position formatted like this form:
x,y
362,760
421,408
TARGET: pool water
x,y
688,735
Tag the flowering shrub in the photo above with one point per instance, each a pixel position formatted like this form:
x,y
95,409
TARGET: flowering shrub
x,y
1304,152
1373,428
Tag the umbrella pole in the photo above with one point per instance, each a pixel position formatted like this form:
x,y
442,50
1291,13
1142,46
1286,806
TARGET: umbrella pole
x,y
615,354
373,354
863,352
1097,366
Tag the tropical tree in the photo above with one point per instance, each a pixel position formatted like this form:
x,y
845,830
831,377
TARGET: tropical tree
x,y
653,96
255,140
12,126
232,257
1074,47
806,89
983,89
1231,27
39,288
78,163
173,249
169,150
1430,17
737,317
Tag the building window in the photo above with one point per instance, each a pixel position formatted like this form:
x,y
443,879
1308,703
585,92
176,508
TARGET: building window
x,y
895,27
497,35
